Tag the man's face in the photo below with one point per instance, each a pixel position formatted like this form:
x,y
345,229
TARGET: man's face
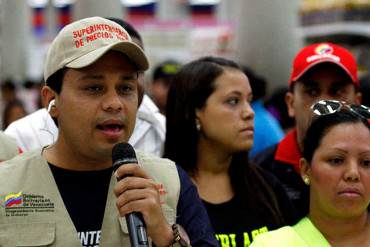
x,y
324,81
97,106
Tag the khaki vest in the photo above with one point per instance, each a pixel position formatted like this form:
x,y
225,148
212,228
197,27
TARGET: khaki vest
x,y
32,212
8,147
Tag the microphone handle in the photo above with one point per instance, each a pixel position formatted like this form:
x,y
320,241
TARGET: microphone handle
x,y
135,225
136,230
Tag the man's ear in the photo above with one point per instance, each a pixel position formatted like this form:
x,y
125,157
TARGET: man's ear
x,y
358,98
49,99
289,101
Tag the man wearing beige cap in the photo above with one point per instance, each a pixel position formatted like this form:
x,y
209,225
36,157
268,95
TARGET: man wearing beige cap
x,y
38,129
66,194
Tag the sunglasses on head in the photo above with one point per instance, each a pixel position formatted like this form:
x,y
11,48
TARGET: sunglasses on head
x,y
324,107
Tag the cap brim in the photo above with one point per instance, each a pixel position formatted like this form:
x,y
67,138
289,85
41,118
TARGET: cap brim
x,y
131,50
320,62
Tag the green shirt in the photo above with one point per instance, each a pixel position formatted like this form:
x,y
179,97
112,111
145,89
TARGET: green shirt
x,y
303,234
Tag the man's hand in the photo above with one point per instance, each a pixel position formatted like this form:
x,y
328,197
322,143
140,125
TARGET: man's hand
x,y
137,192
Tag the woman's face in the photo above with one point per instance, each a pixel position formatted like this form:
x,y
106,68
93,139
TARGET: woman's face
x,y
340,171
226,119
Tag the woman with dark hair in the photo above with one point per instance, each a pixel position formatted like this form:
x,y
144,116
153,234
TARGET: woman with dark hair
x,y
336,166
209,132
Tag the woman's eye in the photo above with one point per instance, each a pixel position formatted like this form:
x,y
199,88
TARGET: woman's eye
x,y
233,101
336,161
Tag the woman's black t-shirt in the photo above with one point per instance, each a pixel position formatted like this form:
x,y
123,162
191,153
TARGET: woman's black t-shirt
x,y
236,225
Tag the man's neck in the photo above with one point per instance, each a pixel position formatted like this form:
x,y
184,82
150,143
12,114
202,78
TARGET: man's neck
x,y
67,158
300,138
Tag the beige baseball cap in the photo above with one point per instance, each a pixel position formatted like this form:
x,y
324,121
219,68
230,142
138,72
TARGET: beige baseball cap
x,y
82,42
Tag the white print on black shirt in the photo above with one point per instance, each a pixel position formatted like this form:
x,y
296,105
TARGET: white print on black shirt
x,y
90,239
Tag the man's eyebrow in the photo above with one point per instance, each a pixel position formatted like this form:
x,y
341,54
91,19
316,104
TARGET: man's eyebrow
x,y
310,84
341,83
100,77
134,75
89,77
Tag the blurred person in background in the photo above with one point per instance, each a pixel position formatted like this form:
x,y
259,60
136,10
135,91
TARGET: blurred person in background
x,y
276,105
209,133
320,71
8,94
30,95
162,78
267,130
8,146
13,111
8,91
336,168
38,129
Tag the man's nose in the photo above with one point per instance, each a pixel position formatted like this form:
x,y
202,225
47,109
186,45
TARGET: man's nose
x,y
112,102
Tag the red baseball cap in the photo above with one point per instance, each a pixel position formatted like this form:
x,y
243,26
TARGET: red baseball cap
x,y
318,53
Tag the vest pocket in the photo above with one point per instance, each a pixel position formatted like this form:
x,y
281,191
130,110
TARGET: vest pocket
x,y
31,234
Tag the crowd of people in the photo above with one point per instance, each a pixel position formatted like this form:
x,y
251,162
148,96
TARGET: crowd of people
x,y
216,165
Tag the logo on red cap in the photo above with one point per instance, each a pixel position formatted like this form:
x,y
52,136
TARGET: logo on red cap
x,y
323,51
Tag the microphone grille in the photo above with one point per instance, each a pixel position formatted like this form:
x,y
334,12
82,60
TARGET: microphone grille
x,y
122,151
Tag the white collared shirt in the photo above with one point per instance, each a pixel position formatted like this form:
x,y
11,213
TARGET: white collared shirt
x,y
37,130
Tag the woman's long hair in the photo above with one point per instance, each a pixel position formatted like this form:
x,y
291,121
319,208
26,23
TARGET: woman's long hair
x,y
190,89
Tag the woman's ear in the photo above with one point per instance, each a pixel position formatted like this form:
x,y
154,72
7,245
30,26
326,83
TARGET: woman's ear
x,y
305,171
197,122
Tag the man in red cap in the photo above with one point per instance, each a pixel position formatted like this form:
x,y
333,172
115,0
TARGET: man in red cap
x,y
320,71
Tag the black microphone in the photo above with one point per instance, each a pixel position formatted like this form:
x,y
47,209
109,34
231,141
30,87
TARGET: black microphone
x,y
123,153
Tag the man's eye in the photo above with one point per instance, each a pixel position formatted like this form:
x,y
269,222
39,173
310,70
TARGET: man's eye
x,y
312,92
126,89
366,163
337,92
93,88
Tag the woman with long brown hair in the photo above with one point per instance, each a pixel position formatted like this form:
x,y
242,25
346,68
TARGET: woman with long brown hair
x,y
209,132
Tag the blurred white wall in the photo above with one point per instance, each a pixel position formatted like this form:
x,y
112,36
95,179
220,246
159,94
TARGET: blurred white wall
x,y
267,37
15,23
105,8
